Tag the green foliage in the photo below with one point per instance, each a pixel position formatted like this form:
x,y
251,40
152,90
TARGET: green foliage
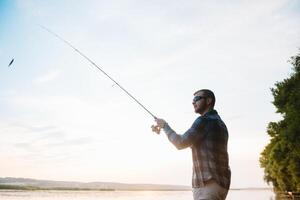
x,y
281,157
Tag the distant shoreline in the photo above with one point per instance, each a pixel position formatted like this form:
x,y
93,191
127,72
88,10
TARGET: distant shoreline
x,y
34,184
19,187
11,183
32,188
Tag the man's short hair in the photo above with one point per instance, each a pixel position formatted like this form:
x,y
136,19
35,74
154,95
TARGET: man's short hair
x,y
209,94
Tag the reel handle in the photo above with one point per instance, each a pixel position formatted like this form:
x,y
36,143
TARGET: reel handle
x,y
156,129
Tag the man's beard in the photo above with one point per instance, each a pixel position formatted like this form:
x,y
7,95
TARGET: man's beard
x,y
200,109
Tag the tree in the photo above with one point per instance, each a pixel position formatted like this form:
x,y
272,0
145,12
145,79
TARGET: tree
x,y
281,157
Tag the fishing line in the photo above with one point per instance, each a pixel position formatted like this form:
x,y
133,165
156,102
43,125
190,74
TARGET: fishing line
x,y
95,65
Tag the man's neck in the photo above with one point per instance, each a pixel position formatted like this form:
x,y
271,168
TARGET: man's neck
x,y
206,111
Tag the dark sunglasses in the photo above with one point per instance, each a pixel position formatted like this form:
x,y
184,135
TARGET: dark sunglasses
x,y
198,98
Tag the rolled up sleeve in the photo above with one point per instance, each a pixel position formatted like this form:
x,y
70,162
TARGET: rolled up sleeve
x,y
193,134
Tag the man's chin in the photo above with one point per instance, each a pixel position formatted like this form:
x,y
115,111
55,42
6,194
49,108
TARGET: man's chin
x,y
198,111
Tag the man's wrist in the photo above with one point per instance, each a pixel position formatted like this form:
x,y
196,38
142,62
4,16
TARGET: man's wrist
x,y
167,129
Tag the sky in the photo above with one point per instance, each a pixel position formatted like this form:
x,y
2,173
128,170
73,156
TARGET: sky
x,y
62,119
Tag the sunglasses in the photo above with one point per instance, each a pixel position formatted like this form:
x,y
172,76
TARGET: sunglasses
x,y
198,98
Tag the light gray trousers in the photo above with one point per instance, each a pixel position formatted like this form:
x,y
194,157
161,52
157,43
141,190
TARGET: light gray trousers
x,y
211,191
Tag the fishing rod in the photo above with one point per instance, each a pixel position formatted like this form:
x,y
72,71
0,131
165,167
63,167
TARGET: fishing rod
x,y
95,65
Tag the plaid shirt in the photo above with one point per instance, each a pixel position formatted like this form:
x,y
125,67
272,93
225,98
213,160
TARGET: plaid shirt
x,y
207,138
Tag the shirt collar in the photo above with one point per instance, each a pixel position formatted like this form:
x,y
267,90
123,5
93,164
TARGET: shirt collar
x,y
211,112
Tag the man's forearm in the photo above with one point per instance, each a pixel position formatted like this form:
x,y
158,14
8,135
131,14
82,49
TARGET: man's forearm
x,y
180,142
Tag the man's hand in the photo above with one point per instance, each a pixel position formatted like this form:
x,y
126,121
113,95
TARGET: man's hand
x,y
160,123
155,129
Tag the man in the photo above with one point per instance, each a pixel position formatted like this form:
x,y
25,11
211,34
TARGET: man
x,y
207,138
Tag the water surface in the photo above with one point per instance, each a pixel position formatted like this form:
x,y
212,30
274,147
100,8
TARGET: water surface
x,y
127,195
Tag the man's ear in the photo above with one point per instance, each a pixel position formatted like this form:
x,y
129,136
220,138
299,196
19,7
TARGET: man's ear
x,y
209,101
